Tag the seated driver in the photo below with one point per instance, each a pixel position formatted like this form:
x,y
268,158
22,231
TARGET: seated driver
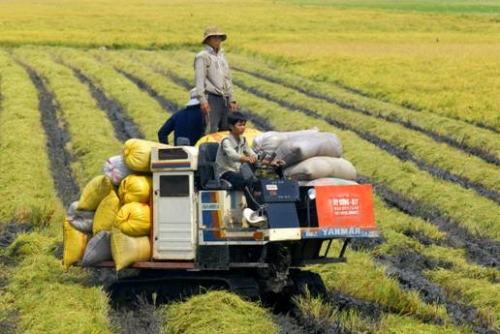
x,y
233,151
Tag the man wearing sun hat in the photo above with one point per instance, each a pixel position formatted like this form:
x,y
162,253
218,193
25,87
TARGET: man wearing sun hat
x,y
214,85
188,124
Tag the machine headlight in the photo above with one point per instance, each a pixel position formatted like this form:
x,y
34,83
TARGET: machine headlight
x,y
311,193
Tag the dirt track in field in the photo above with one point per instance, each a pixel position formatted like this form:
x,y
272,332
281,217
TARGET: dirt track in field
x,y
124,127
57,138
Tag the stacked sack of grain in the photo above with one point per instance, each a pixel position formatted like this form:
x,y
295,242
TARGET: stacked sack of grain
x,y
112,219
308,154
130,233
79,223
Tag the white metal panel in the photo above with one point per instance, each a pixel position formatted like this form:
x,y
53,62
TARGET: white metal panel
x,y
174,221
280,234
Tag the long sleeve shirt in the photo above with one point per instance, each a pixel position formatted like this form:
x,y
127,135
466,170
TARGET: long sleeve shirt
x,y
212,75
188,123
230,152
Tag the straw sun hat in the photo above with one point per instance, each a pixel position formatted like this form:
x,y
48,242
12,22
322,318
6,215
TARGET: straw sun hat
x,y
193,100
213,31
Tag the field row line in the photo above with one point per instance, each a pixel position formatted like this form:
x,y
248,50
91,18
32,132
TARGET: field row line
x,y
405,144
448,129
23,169
454,132
146,113
35,182
91,135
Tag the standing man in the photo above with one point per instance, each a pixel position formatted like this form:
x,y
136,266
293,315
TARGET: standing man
x,y
214,85
188,124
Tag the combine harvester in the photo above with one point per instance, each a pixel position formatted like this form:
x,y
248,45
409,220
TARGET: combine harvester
x,y
200,230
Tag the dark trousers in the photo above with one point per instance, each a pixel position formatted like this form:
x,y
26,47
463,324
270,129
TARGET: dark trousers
x,y
235,179
239,183
219,107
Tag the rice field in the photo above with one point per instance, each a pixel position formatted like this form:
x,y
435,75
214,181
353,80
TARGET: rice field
x,y
410,87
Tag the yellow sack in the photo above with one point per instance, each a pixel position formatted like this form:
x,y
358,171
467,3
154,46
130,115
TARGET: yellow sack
x,y
137,154
135,188
74,243
134,219
93,193
217,137
106,213
127,250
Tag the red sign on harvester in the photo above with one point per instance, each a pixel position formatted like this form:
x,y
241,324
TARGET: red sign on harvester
x,y
345,206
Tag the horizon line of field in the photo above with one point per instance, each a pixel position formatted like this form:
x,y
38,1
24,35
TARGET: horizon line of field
x,y
152,92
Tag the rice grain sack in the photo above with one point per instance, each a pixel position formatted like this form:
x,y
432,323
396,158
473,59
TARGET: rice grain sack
x,y
320,167
105,214
269,141
74,243
82,220
137,154
135,188
93,193
217,137
134,219
98,249
127,250
116,169
303,147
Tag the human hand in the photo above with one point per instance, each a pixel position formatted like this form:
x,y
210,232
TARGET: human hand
x,y
277,163
252,159
234,106
205,108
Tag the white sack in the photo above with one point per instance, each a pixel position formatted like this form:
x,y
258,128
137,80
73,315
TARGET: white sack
x,y
269,141
116,169
82,220
302,147
320,167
